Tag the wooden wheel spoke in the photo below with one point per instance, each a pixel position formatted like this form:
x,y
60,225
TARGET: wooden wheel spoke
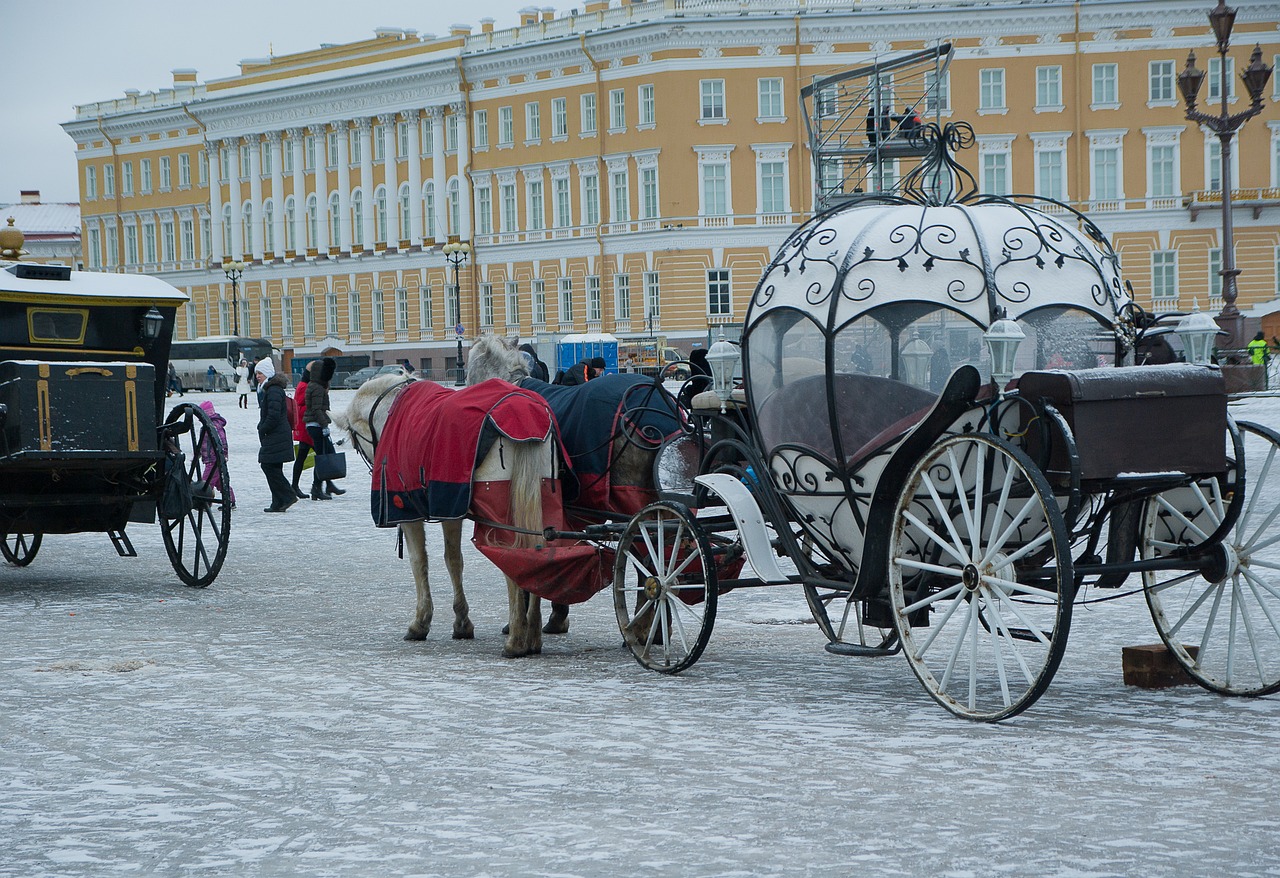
x,y
956,548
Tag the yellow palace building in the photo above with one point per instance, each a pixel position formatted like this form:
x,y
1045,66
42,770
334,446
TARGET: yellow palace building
x,y
630,167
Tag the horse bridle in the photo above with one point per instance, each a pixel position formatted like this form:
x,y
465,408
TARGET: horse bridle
x,y
372,438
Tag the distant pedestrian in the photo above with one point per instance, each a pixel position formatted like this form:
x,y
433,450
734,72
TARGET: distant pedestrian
x,y
211,476
537,368
273,434
317,421
211,379
175,383
1258,353
242,383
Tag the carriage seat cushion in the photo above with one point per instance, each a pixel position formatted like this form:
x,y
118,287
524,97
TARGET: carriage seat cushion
x,y
869,410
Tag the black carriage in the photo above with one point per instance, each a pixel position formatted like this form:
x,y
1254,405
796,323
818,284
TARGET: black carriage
x,y
84,444
938,438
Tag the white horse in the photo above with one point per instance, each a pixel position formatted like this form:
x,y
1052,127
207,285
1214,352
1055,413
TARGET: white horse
x,y
524,464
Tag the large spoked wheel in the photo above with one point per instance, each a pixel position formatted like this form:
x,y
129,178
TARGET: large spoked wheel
x,y
194,511
980,577
20,549
1223,625
664,587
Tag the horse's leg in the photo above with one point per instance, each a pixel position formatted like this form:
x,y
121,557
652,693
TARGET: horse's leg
x,y
558,621
416,539
517,643
534,622
462,627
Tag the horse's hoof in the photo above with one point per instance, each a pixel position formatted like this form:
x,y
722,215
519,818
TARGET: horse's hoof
x,y
506,629
415,635
511,653
467,633
556,626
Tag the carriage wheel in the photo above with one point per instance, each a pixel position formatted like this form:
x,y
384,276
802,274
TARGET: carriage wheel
x,y
980,577
664,587
197,530
20,549
1223,627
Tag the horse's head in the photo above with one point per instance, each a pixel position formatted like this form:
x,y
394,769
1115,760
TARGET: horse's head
x,y
366,416
495,357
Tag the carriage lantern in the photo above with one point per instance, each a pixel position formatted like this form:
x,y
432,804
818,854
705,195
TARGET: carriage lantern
x,y
152,324
1197,331
723,358
1002,341
916,355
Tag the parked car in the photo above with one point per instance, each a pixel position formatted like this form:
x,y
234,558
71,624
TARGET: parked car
x,y
360,376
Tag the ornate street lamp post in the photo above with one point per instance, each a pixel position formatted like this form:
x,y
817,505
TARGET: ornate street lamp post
x,y
456,252
1224,125
234,270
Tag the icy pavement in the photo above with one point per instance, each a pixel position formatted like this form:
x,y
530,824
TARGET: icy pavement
x,y
276,724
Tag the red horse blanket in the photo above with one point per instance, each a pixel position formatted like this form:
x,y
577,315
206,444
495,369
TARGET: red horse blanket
x,y
424,465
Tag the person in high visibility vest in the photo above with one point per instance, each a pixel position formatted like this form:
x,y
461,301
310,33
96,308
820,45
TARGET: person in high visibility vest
x,y
1258,353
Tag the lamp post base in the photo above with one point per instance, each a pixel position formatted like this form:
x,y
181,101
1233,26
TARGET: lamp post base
x,y
461,380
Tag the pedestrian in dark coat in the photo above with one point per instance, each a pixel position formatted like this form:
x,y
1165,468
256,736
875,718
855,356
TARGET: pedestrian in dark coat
x,y
317,419
539,370
274,435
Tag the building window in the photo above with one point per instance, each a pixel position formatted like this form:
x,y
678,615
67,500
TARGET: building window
x,y
353,146
486,306
1213,75
190,309
937,92
622,296
507,219
648,115
455,215
95,248
335,220
402,310
566,300
617,109
149,243
357,218
380,214
451,133
588,114
718,301
188,240
619,197
481,121
166,175
265,151
309,315
1164,274
652,296
773,194
402,139
593,297
648,193
1215,277
1051,167
591,200
130,245
379,318
332,149
512,303
313,220
286,316
264,316
1160,79
404,203
248,231
353,312
379,143
559,118
268,226
538,291
1106,90
184,170
331,313
714,189
203,160
712,103
991,90
484,210
426,135
769,98
425,317
1162,171
168,244
537,209
995,172
429,208
532,122
112,245
562,215
1106,173
90,182
506,127
126,178
1049,88
245,152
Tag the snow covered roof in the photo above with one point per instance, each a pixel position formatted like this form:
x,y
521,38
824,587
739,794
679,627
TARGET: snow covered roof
x,y
40,220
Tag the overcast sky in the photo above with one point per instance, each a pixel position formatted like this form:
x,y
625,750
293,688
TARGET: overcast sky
x,y
59,53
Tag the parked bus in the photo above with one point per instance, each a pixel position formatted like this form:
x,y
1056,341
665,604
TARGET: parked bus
x,y
193,357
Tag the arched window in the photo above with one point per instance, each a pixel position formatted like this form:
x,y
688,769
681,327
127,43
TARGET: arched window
x,y
455,219
357,217
226,232
335,220
290,217
380,215
313,221
246,220
429,209
405,230
268,226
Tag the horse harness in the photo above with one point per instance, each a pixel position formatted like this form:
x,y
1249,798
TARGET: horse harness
x,y
372,438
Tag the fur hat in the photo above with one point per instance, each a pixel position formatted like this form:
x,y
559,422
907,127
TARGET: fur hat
x,y
327,367
599,363
265,367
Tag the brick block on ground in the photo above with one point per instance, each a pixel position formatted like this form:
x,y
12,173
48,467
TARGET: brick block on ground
x,y
1152,666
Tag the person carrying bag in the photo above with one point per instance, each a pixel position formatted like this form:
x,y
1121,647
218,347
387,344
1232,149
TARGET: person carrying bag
x,y
329,465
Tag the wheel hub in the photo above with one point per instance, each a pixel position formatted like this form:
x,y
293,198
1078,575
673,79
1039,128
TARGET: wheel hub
x,y
970,577
1222,563
652,587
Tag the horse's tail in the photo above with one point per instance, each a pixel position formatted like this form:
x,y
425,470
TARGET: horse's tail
x,y
526,492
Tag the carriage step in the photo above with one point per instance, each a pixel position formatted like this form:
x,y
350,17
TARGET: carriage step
x,y
124,547
859,650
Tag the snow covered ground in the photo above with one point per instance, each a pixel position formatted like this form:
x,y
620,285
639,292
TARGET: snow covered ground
x,y
276,724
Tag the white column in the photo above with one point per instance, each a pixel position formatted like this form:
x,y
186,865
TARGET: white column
x,y
322,191
255,194
277,195
213,160
235,196
344,186
415,180
390,180
296,136
464,182
368,226
438,175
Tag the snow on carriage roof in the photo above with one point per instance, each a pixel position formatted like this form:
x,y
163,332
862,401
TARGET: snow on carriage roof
x,y
97,286
974,257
